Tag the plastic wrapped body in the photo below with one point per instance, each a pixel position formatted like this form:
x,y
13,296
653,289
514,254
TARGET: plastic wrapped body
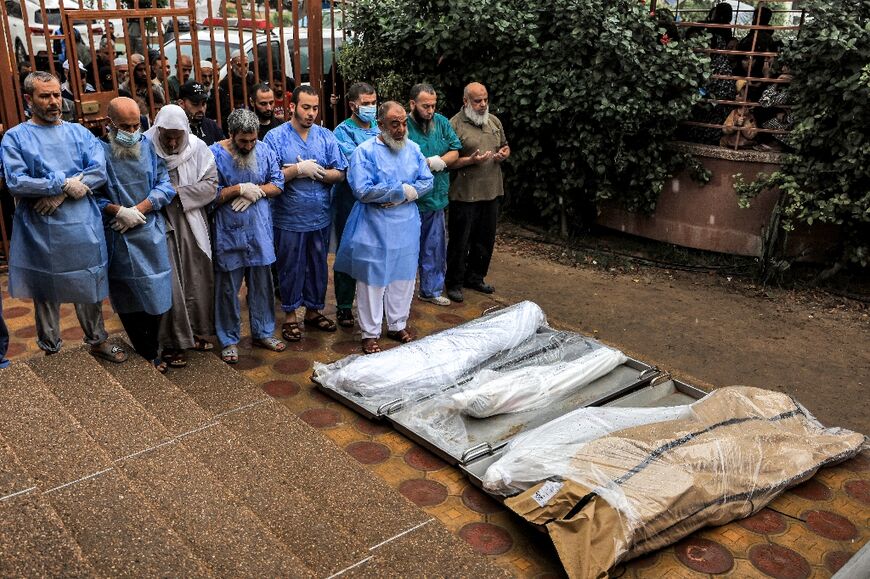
x,y
435,361
630,481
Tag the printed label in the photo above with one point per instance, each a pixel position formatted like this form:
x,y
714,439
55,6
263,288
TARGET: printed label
x,y
547,492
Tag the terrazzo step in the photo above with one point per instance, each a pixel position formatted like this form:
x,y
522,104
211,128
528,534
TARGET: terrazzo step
x,y
33,540
221,529
446,555
322,544
349,494
116,529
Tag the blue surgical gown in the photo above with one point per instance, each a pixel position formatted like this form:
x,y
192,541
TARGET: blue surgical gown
x,y
60,257
139,270
305,204
244,238
350,136
381,245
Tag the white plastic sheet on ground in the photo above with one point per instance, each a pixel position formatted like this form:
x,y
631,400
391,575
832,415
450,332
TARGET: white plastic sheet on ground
x,y
493,392
433,362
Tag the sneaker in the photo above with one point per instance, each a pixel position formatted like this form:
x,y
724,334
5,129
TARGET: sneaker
x,y
437,300
455,294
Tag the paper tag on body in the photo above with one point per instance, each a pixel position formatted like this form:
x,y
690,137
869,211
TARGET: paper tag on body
x,y
547,492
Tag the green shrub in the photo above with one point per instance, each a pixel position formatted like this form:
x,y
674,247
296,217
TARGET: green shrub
x,y
827,178
590,91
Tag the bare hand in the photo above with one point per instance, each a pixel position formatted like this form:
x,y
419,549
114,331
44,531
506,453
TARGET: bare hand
x,y
477,158
502,154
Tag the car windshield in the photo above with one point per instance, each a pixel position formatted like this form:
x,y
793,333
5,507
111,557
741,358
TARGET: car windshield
x,y
171,51
53,16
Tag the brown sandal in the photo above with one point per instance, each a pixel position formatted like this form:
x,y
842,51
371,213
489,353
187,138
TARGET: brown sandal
x,y
290,331
202,345
370,346
402,336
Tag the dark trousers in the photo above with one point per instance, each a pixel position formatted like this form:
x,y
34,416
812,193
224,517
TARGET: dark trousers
x,y
302,268
4,338
344,284
143,329
471,238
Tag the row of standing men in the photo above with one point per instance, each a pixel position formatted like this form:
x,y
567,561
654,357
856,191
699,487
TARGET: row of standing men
x,y
169,228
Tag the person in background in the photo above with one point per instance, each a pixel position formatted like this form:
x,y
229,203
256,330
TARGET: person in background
x,y
381,242
236,86
183,68
740,129
244,249
192,98
263,104
121,69
352,132
58,250
302,216
193,174
138,187
440,145
474,193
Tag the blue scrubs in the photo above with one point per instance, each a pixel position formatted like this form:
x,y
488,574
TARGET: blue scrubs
x,y
349,136
381,245
302,217
139,268
244,248
58,258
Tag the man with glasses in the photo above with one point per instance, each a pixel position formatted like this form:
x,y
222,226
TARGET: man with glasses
x,y
58,250
192,97
138,187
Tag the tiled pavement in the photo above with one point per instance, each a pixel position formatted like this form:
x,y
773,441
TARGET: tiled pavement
x,y
810,531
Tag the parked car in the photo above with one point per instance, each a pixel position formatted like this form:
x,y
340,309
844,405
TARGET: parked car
x,y
38,24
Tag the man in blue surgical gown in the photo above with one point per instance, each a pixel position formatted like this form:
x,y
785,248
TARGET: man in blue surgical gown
x,y
381,242
140,283
248,174
311,163
58,251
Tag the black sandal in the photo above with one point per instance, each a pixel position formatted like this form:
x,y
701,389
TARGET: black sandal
x,y
290,331
344,317
175,358
320,322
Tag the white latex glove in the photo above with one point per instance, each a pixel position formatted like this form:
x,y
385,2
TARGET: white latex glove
x,y
410,192
309,169
251,192
48,205
436,163
75,188
127,218
240,204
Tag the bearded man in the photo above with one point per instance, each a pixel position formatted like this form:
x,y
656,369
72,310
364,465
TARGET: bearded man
x,y
193,174
138,187
312,162
381,241
58,250
474,193
192,98
248,173
263,104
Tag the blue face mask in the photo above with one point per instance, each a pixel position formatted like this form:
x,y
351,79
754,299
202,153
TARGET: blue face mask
x,y
126,139
367,113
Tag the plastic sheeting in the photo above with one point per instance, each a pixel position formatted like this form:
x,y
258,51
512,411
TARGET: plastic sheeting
x,y
617,483
492,392
433,362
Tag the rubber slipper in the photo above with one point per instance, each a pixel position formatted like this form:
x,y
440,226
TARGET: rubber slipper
x,y
290,332
230,354
270,343
202,345
345,318
370,346
109,352
320,322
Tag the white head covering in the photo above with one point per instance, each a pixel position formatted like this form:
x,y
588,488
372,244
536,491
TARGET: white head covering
x,y
66,65
192,161
120,61
205,64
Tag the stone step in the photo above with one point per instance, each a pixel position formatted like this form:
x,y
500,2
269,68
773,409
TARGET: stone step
x,y
220,528
322,544
116,529
33,540
349,494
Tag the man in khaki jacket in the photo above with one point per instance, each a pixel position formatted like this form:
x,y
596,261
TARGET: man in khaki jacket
x,y
474,193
